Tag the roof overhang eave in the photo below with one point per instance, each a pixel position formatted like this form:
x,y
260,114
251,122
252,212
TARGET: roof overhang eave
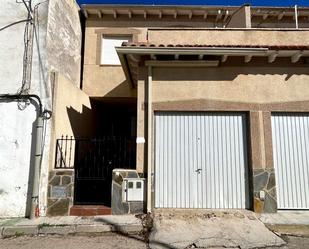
x,y
248,53
193,51
124,51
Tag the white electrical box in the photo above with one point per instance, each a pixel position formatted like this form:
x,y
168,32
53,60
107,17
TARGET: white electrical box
x,y
133,189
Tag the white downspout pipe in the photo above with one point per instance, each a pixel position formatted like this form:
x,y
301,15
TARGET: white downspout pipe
x,y
35,212
149,140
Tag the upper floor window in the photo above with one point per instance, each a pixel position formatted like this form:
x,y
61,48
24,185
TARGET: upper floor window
x,y
108,52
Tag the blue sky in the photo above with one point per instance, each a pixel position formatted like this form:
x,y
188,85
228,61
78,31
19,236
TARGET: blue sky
x,y
200,2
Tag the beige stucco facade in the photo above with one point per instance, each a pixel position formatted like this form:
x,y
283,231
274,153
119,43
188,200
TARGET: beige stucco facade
x,y
72,113
229,37
255,90
110,81
258,86
106,80
240,84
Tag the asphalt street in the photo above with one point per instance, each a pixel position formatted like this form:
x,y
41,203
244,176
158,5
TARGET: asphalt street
x,y
105,241
109,240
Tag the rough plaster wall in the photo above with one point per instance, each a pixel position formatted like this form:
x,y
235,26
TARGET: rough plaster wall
x,y
62,48
63,52
11,41
64,38
15,146
16,125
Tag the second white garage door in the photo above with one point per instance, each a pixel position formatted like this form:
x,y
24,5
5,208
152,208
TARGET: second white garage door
x,y
290,134
200,160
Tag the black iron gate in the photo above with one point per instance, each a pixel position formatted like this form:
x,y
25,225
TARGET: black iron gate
x,y
94,161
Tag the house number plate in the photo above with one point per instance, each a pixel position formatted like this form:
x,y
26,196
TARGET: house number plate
x,y
59,192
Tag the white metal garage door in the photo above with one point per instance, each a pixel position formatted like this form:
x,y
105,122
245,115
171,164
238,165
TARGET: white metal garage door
x,y
290,135
200,160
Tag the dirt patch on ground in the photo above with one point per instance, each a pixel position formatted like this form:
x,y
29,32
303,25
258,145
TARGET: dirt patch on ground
x,y
147,223
193,214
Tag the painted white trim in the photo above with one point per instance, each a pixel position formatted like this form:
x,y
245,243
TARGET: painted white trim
x,y
202,63
149,140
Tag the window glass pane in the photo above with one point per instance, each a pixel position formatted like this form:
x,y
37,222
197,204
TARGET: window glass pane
x,y
138,185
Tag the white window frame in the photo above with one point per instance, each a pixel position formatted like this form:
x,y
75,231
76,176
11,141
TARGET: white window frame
x,y
110,42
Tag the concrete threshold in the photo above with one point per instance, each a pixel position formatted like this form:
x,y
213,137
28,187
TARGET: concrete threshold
x,y
294,223
71,225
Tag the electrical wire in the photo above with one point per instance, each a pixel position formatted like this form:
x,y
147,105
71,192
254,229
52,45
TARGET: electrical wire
x,y
37,36
25,59
24,97
29,8
31,29
25,85
14,23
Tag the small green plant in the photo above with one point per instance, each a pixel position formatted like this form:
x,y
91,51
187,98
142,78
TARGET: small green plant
x,y
18,234
43,225
50,225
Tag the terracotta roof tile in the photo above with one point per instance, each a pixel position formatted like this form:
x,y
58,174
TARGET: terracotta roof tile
x,y
271,47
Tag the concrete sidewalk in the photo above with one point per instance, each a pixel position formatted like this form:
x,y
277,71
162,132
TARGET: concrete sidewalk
x,y
211,229
126,224
288,222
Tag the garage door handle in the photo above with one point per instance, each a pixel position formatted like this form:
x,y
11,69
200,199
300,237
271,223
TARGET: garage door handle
x,y
198,171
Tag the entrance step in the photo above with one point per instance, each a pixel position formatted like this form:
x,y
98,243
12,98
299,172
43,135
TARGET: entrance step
x,y
287,222
90,210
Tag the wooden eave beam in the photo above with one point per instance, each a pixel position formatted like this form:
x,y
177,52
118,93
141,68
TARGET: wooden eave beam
x,y
248,58
280,16
224,58
272,57
219,15
295,58
226,15
190,15
175,14
205,15
85,13
265,16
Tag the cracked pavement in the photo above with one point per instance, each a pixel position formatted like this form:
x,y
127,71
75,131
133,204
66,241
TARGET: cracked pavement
x,y
204,229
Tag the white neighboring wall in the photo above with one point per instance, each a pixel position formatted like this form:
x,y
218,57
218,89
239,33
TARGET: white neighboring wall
x,y
16,126
15,145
